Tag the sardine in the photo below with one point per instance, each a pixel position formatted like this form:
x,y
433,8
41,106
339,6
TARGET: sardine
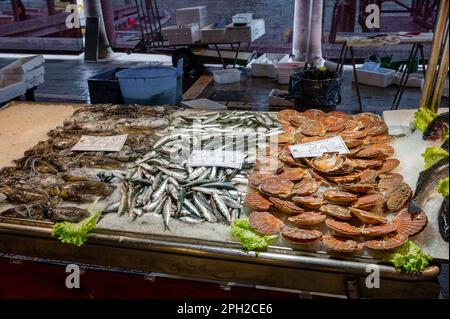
x,y
191,207
151,206
206,190
178,176
196,173
427,185
173,191
191,220
443,220
220,185
437,128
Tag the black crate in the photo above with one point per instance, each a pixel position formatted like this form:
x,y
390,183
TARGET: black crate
x,y
105,88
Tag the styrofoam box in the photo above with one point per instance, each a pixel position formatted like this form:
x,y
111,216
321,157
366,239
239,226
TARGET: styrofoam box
x,y
264,66
186,34
225,76
248,33
414,80
210,35
10,89
242,18
285,68
24,65
193,15
381,78
32,78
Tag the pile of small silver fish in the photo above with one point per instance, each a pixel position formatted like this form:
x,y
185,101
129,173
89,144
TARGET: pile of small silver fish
x,y
162,182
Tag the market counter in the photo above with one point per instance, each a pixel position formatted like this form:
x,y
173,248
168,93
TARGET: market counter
x,y
219,260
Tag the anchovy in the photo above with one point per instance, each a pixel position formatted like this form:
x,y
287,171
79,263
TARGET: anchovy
x,y
427,185
206,190
191,220
182,195
220,185
212,173
196,173
192,208
202,208
160,206
123,206
230,202
111,208
173,191
160,190
219,217
176,175
166,213
221,206
157,180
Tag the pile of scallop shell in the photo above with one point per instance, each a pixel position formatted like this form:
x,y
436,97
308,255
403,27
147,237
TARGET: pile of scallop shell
x,y
350,196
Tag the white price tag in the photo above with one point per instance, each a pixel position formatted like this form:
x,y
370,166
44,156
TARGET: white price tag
x,y
88,143
334,144
230,159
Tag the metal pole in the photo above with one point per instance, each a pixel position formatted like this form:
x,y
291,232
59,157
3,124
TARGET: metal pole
x,y
108,17
51,7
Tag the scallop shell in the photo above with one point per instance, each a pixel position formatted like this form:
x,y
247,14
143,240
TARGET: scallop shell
x,y
265,223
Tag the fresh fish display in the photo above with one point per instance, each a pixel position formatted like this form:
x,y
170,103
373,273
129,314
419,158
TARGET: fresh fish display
x,y
443,220
437,129
427,185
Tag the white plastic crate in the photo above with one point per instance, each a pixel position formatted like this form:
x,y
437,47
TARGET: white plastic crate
x,y
247,34
264,66
242,18
285,68
10,89
211,35
192,15
225,76
380,78
186,34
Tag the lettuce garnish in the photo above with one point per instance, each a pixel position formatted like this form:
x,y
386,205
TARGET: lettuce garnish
x,y
422,118
443,187
433,154
250,240
410,258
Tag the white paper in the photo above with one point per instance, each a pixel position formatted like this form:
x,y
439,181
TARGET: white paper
x,y
230,159
334,144
88,143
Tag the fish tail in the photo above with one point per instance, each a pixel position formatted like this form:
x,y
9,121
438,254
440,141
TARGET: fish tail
x,y
166,227
414,207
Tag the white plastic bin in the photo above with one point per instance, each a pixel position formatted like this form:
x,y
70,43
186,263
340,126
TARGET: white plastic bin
x,y
242,18
380,78
285,68
264,66
10,89
225,76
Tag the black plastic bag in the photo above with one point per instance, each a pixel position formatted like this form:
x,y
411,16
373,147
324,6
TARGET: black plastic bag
x,y
312,87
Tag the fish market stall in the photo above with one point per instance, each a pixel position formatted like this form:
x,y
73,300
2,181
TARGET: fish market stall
x,y
166,211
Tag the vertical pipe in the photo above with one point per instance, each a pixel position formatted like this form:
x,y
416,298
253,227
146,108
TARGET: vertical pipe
x,y
315,43
51,7
441,21
108,17
299,36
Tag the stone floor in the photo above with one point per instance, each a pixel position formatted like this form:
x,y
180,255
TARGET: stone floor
x,y
66,81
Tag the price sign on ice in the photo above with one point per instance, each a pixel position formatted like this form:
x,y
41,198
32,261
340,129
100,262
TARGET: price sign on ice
x,y
230,159
334,144
88,143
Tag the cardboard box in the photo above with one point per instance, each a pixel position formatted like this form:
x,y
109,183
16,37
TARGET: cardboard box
x,y
193,15
211,35
249,33
179,35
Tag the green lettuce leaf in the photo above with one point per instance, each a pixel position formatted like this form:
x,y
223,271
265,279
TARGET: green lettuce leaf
x,y
76,233
250,240
422,118
443,187
446,136
432,155
410,258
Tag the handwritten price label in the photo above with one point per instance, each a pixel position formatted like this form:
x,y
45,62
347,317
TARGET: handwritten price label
x,y
334,144
89,143
230,159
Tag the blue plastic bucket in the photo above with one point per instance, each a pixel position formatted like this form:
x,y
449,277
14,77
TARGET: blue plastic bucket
x,y
152,85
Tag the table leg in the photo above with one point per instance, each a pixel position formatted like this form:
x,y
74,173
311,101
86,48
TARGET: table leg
x,y
405,77
341,59
237,54
356,79
220,56
422,58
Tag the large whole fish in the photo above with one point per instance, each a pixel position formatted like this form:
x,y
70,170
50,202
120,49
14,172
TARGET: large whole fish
x,y
443,220
445,145
427,185
436,130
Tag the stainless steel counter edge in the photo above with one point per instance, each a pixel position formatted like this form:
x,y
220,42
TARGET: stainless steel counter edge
x,y
158,244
